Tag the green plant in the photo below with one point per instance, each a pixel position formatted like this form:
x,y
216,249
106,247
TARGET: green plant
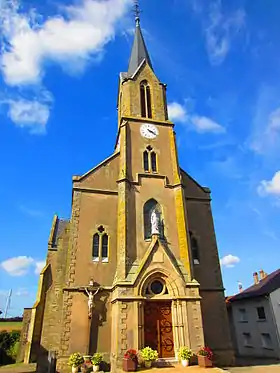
x,y
97,358
148,354
75,360
185,353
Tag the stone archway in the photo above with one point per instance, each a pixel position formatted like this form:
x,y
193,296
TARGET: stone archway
x,y
157,315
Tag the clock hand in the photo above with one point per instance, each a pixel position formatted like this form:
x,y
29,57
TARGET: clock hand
x,y
151,131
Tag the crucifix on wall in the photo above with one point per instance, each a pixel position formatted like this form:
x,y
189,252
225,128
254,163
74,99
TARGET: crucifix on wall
x,y
91,291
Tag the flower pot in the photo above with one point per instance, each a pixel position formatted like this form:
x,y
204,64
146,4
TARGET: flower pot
x,y
75,369
185,363
148,363
129,365
95,368
204,362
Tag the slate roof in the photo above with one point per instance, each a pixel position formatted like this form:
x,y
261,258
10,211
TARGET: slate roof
x,y
264,287
60,225
139,51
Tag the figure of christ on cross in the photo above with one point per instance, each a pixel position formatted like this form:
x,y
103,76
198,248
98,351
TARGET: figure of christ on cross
x,y
91,295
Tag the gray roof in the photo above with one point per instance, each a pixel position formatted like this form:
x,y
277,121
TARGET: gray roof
x,y
60,225
139,51
264,287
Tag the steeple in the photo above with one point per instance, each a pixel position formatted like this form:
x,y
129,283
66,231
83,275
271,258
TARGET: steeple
x,y
139,50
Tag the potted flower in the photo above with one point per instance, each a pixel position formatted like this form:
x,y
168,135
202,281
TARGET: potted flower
x,y
130,361
149,355
184,355
86,366
205,357
96,361
75,360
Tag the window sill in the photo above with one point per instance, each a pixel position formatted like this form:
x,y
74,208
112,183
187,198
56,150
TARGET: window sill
x,y
243,321
261,320
268,348
248,346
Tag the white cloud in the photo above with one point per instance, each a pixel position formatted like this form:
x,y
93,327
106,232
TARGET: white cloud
x,y
274,120
265,134
201,124
70,39
177,112
220,31
39,266
31,212
229,261
17,266
204,124
31,114
270,186
20,265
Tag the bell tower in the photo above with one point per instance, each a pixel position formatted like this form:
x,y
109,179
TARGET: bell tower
x,y
148,159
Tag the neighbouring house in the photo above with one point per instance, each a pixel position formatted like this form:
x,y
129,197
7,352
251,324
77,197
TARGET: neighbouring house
x,y
254,316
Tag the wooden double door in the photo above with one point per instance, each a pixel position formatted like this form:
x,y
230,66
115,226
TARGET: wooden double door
x,y
158,331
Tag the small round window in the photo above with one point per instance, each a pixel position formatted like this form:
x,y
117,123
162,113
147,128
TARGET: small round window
x,y
156,287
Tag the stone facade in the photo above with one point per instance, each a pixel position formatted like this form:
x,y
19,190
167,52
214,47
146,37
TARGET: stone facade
x,y
110,200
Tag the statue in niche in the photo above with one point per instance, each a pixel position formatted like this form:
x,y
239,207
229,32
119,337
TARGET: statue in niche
x,y
155,222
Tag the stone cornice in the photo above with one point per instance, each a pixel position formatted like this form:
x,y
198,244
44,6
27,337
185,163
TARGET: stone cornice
x,y
149,120
97,191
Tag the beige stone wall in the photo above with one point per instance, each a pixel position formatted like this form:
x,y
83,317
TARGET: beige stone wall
x,y
52,322
130,91
24,334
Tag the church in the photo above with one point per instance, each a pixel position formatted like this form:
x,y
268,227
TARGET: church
x,y
137,264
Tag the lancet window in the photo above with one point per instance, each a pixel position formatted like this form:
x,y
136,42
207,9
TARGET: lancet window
x,y
145,99
100,243
150,160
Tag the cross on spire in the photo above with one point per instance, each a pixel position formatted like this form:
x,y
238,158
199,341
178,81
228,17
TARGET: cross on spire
x,y
136,11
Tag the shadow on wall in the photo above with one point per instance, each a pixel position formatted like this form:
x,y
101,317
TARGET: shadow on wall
x,y
99,316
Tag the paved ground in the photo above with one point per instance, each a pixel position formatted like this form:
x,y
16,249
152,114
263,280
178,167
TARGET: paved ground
x,y
256,369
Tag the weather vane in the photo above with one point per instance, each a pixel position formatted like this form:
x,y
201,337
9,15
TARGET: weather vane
x,y
136,11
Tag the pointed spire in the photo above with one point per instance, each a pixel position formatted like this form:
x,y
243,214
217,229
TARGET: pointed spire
x,y
139,50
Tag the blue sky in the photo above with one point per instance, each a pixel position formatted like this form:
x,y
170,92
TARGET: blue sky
x,y
59,66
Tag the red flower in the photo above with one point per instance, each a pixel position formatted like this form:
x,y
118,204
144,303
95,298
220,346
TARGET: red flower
x,y
206,351
131,355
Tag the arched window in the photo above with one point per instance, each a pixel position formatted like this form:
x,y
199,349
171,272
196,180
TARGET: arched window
x,y
145,100
95,247
154,161
100,245
149,207
104,247
150,160
194,247
149,104
146,160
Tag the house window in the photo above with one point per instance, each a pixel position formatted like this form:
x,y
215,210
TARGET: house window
x,y
149,160
149,207
194,248
266,341
145,100
100,245
242,315
261,313
247,339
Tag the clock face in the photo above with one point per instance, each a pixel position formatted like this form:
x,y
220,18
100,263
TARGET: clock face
x,y
149,131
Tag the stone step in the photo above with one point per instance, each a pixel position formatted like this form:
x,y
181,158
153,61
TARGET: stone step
x,y
167,362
